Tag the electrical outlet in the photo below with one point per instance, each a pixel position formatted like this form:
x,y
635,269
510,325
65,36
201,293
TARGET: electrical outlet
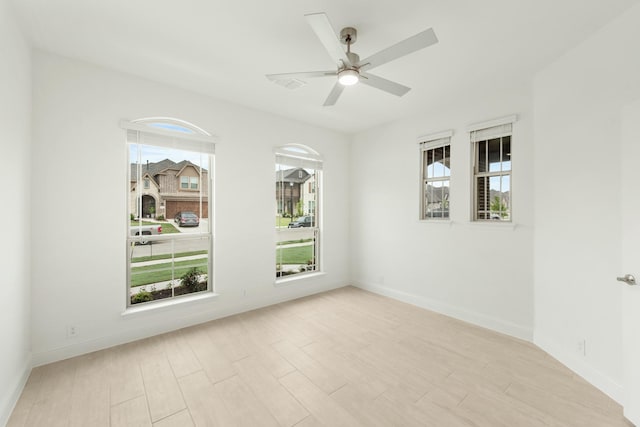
x,y
582,347
72,331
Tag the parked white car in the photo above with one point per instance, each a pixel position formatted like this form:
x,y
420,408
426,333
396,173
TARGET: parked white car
x,y
145,230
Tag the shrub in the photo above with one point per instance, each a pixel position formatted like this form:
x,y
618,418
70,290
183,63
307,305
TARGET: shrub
x,y
191,279
160,218
132,217
142,296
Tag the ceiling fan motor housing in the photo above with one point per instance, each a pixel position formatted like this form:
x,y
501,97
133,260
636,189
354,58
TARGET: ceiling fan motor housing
x,y
348,35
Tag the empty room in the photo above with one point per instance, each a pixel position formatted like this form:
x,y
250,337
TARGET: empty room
x,y
320,213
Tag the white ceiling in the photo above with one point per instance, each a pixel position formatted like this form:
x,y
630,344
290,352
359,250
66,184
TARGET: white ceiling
x,y
224,48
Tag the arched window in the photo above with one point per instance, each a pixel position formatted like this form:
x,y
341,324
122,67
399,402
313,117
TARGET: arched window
x,y
298,183
163,261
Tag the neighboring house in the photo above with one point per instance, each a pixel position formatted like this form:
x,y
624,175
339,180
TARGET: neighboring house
x,y
309,196
289,188
168,188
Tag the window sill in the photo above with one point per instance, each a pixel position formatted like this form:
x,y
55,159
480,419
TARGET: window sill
x,y
291,280
164,305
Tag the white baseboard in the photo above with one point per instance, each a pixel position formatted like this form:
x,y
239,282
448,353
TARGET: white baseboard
x,y
9,400
224,308
479,319
605,384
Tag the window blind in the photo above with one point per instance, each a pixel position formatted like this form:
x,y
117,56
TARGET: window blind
x,y
492,132
145,135
298,162
492,129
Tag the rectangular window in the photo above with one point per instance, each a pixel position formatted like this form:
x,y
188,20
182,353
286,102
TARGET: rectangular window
x,y
194,182
297,216
492,173
163,261
435,163
147,184
184,182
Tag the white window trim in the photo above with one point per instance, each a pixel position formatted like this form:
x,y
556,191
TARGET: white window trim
x,y
429,142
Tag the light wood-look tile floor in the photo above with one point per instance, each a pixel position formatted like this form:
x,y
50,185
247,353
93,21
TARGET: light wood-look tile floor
x,y
341,358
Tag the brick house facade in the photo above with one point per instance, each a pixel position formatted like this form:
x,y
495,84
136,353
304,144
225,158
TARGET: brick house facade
x,y
168,188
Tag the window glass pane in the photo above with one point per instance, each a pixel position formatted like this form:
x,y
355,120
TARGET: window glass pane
x,y
429,201
436,186
447,160
184,182
428,161
482,197
296,251
444,206
168,268
506,153
500,194
194,182
494,153
481,156
437,199
438,166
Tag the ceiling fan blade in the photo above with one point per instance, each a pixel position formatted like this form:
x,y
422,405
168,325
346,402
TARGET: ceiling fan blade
x,y
384,84
333,95
303,75
405,47
322,27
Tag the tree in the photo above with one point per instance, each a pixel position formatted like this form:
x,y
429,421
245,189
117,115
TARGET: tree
x,y
497,205
300,208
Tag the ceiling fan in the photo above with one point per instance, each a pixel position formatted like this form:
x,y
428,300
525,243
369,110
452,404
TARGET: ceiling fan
x,y
350,69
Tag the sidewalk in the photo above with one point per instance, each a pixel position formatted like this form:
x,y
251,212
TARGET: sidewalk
x,y
167,260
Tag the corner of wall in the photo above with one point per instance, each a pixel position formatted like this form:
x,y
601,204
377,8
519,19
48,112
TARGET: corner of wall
x,y
608,386
8,402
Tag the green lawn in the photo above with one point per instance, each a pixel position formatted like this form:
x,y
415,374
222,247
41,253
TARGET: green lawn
x,y
167,227
282,222
295,255
162,272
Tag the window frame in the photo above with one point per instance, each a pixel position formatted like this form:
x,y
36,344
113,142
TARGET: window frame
x,y
428,143
483,133
185,137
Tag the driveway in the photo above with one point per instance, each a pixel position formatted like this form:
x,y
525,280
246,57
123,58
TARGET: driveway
x,y
202,228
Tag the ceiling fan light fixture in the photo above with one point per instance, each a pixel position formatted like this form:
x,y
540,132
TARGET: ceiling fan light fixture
x,y
348,77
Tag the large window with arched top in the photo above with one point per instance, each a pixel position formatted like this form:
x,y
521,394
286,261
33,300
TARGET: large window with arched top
x,y
298,188
169,191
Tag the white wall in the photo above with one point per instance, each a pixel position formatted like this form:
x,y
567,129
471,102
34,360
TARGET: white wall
x,y
15,174
79,248
578,102
477,272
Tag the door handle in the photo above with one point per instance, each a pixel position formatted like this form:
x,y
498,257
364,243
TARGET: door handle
x,y
629,279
